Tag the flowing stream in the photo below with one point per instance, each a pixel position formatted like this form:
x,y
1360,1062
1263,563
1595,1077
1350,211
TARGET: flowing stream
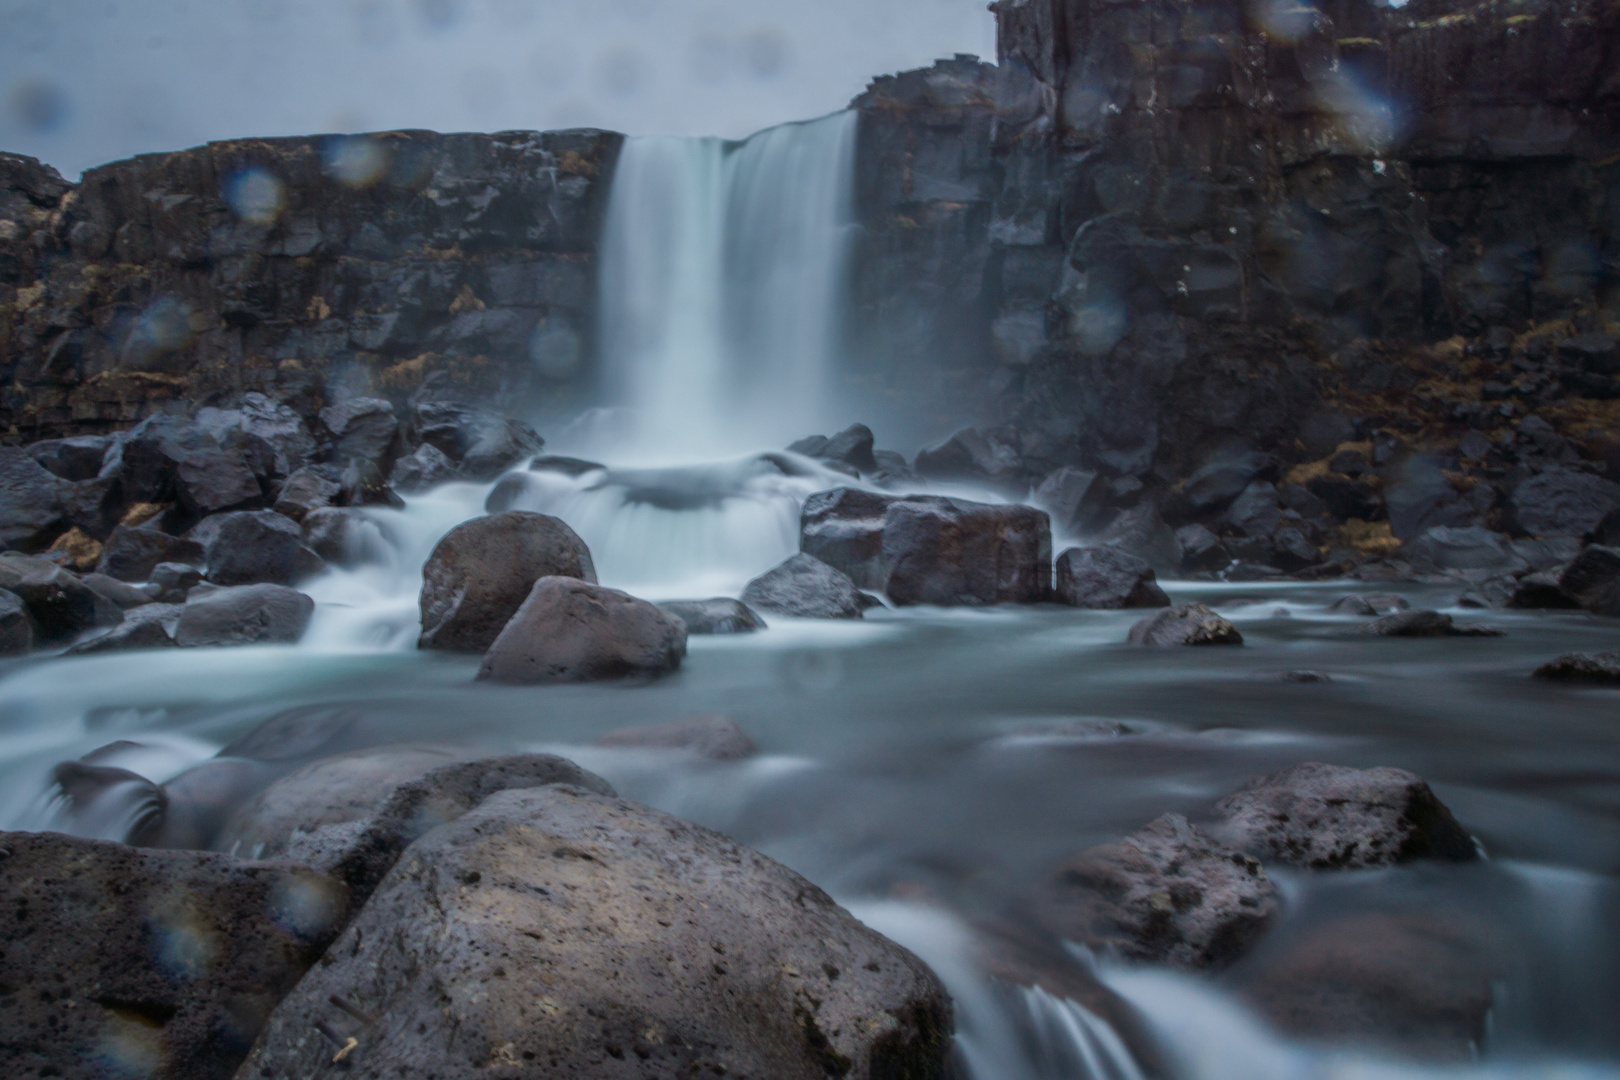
x,y
929,766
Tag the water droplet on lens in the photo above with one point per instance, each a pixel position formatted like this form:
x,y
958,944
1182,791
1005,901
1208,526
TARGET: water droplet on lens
x,y
39,105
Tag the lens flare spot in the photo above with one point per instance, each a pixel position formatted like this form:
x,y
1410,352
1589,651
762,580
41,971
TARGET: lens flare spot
x,y
256,196
356,162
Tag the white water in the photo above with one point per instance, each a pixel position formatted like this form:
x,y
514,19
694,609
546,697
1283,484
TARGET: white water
x,y
723,274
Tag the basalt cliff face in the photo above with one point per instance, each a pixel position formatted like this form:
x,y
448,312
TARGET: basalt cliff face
x,y
1159,231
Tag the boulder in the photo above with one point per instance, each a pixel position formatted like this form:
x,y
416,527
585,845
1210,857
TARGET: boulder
x,y
1418,983
1142,532
844,529
148,963
1167,894
168,458
17,630
74,459
953,552
62,605
598,938
1190,624
1446,547
1256,512
362,428
1373,605
570,630
1425,624
276,434
1561,502
310,488
1329,817
712,736
1292,552
975,455
336,534
805,587
1593,579
244,615
894,471
1073,497
1540,591
251,547
1422,498
208,480
1104,577
1218,483
1347,498
149,627
484,570
130,554
480,445
853,447
721,615
1601,668
32,502
174,581
1202,552
424,469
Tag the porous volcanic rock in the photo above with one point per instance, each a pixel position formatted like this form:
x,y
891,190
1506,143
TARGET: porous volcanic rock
x,y
1190,624
1106,577
570,630
1332,817
805,587
1165,894
483,571
487,944
155,963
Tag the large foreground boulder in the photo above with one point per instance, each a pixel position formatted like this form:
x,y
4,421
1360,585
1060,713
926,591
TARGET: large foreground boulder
x,y
1107,578
574,631
1331,817
483,570
559,932
117,961
1165,894
1189,624
804,587
924,549
245,615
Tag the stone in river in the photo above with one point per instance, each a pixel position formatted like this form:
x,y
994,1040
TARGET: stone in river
x,y
713,736
1107,577
721,615
807,588
1190,624
574,631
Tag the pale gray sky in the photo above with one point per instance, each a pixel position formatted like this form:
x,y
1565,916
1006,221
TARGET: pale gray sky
x,y
87,81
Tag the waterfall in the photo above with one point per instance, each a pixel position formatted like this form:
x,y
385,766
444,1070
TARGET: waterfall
x,y
722,278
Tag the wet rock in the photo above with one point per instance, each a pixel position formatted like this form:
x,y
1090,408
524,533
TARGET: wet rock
x,y
208,480
575,631
32,502
61,604
244,615
149,627
1374,604
1601,668
894,471
110,588
363,428
721,615
310,488
1190,624
1425,624
1347,498
16,625
1256,512
1422,499
1306,675
1201,550
1593,580
712,736
720,960
1142,532
1328,817
1560,502
130,554
251,547
426,468
173,581
276,434
480,445
336,534
1166,894
804,587
954,552
362,483
1103,577
168,458
484,570
851,447
1552,553
154,963
74,459
844,529
981,455
564,466
1218,483
1292,552
1446,547
1073,497
1415,982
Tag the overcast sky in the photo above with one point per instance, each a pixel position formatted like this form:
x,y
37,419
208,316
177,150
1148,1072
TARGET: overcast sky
x,y
87,81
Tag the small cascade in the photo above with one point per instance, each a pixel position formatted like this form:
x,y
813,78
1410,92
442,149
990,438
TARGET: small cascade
x,y
723,272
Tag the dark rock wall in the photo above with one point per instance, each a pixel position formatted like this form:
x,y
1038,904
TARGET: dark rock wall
x,y
1156,227
308,269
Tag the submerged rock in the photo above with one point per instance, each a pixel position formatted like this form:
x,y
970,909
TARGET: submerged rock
x,y
1425,624
478,445
1331,817
721,615
149,963
1190,624
1377,604
244,615
1166,894
483,571
151,626
574,631
713,736
1107,578
1602,668
805,587
426,468
486,945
